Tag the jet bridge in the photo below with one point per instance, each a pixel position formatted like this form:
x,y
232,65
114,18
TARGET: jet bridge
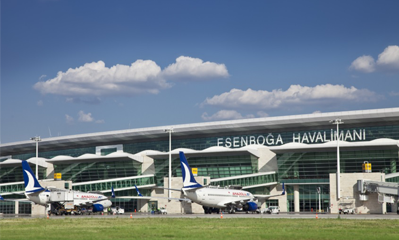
x,y
387,191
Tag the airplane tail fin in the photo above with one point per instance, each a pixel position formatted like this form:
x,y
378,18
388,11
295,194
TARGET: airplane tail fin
x,y
138,192
188,177
113,192
31,183
283,193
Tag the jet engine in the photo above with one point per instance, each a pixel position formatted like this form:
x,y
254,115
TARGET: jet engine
x,y
98,208
250,206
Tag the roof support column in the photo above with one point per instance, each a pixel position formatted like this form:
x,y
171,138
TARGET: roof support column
x,y
296,198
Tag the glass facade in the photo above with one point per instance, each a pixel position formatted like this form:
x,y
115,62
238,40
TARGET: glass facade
x,y
306,166
14,173
130,205
20,187
214,167
92,171
247,181
271,202
394,179
309,198
9,207
125,183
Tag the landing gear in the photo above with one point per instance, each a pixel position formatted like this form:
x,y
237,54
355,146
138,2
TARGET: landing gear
x,y
210,210
232,210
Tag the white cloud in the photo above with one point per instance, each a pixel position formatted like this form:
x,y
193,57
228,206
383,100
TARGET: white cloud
x,y
224,115
85,117
388,60
394,94
188,68
40,103
95,79
262,114
69,119
295,95
143,76
363,64
99,121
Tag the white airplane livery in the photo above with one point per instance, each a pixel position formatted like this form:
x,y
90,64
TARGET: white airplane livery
x,y
214,197
43,196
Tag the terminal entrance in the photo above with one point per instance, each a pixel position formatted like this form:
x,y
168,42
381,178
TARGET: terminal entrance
x,y
152,206
309,198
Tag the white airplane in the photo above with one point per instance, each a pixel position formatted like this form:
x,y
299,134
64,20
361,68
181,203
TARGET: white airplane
x,y
44,196
215,198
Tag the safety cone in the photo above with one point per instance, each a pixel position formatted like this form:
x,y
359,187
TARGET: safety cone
x,y
134,210
102,213
131,216
221,215
48,216
317,217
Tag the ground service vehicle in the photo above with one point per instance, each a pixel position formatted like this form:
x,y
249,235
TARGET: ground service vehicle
x,y
272,210
347,211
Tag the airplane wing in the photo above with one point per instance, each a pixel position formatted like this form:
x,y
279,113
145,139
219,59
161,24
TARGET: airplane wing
x,y
14,200
173,189
264,197
176,199
233,203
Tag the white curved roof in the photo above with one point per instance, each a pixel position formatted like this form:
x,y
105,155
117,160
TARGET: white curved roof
x,y
41,161
90,156
333,144
253,149
207,128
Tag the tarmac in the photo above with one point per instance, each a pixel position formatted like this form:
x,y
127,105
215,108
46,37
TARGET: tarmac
x,y
392,216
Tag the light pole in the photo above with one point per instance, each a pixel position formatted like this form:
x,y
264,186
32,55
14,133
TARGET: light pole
x,y
337,122
37,140
170,130
319,191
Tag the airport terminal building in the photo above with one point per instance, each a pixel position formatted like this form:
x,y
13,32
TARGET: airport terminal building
x,y
259,154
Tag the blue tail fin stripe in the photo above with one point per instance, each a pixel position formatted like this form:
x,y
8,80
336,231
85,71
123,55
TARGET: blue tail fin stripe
x,y
31,183
138,192
188,177
283,190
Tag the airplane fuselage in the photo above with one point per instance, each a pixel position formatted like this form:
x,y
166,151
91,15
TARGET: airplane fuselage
x,y
218,198
79,198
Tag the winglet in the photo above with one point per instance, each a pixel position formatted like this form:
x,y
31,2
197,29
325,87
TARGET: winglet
x,y
113,192
283,193
31,183
138,192
1,198
188,177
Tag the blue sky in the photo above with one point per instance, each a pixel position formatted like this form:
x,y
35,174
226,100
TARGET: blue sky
x,y
74,67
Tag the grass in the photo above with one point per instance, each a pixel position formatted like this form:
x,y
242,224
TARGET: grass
x,y
197,228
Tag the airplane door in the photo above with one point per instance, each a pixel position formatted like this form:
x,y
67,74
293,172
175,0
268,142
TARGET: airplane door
x,y
201,195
